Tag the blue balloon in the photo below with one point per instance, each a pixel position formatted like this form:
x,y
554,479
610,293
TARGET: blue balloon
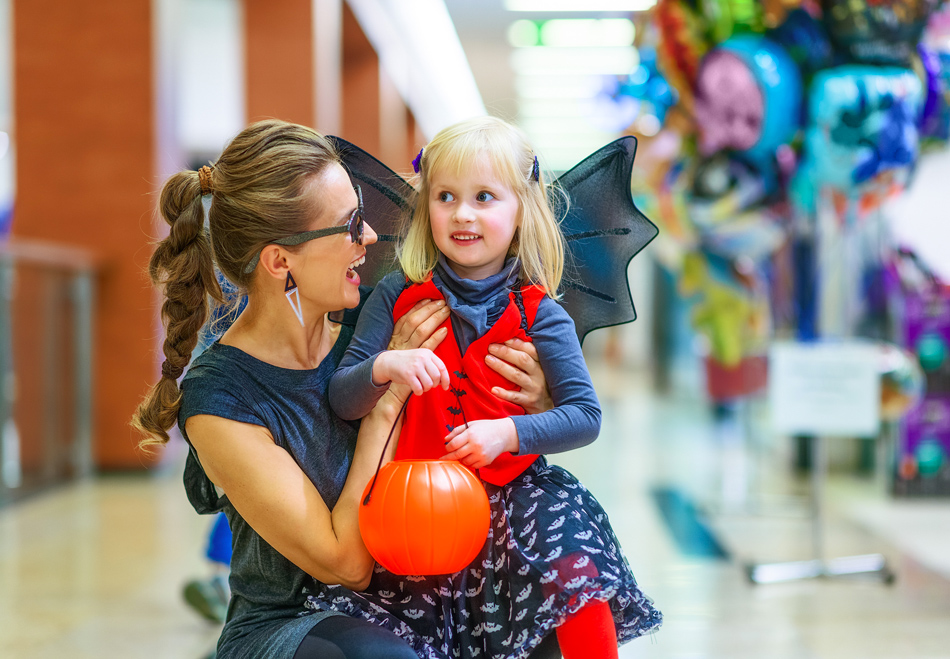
x,y
862,122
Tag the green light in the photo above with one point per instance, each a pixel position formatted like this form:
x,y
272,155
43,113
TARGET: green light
x,y
523,34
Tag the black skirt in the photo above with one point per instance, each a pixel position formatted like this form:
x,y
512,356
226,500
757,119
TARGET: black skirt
x,y
550,550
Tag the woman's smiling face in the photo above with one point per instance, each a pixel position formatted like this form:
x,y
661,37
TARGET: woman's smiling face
x,y
473,215
327,273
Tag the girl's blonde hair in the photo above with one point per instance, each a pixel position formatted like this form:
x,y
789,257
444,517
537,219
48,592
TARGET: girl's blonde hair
x,y
537,242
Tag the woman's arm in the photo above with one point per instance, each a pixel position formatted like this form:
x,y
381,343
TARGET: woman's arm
x,y
271,492
364,372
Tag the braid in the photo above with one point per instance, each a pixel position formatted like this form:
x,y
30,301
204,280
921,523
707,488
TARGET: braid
x,y
259,195
182,264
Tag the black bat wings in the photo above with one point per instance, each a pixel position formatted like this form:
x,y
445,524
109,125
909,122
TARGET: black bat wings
x,y
602,228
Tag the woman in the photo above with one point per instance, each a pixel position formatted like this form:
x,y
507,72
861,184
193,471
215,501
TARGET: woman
x,y
286,226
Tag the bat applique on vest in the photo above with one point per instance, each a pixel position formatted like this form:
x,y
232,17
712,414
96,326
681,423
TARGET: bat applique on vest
x,y
434,414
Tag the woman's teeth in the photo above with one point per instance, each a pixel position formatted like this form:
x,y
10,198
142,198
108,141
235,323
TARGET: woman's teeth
x,y
351,271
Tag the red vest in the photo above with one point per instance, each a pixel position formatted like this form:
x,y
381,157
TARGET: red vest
x,y
433,415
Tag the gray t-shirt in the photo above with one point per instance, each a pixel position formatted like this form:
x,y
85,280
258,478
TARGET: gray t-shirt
x,y
266,617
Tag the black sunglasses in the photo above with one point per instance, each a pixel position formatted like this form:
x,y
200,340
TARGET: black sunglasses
x,y
354,226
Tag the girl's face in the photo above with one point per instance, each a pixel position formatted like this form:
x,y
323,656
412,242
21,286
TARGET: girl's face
x,y
473,216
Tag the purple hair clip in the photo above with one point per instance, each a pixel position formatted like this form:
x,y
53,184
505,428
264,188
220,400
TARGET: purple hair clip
x,y
536,171
417,162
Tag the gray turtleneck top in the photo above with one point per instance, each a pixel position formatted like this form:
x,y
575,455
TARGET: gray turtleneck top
x,y
475,306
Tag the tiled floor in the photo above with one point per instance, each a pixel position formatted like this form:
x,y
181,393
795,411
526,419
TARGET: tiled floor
x,y
96,570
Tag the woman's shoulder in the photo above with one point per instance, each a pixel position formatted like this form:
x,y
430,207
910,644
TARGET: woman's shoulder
x,y
218,362
219,382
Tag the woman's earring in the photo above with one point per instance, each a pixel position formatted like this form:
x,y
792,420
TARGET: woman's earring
x,y
293,296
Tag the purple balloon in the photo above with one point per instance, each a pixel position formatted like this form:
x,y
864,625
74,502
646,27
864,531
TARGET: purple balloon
x,y
728,103
930,113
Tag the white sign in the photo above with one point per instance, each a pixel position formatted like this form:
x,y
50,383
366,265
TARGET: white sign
x,y
826,388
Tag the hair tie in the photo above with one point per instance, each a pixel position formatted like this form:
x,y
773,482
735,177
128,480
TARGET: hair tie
x,y
170,371
204,179
417,161
536,171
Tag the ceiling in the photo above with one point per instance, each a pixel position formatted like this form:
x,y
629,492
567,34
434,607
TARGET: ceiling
x,y
562,129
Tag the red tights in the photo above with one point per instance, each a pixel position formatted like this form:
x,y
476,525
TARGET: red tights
x,y
589,633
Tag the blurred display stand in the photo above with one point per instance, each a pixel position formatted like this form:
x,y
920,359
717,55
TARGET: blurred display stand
x,y
824,390
47,300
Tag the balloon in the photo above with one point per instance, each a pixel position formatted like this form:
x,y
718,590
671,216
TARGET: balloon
x,y
937,33
933,69
902,382
806,41
862,122
930,457
613,109
424,517
725,186
776,12
927,65
931,351
725,204
682,44
748,98
730,107
877,31
644,93
728,17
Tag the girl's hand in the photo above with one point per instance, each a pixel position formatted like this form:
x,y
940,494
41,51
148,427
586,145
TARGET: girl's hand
x,y
419,369
478,444
419,328
517,361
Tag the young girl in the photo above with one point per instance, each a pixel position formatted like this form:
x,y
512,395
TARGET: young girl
x,y
484,240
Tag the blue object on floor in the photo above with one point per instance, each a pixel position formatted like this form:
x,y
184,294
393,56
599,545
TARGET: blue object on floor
x,y
219,541
684,523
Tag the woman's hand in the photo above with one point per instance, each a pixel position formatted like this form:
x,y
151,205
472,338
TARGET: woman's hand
x,y
420,327
477,444
517,361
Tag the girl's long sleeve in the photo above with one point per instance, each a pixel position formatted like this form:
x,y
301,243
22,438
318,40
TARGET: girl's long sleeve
x,y
575,420
352,392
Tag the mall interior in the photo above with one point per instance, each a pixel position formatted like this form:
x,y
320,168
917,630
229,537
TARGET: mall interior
x,y
774,452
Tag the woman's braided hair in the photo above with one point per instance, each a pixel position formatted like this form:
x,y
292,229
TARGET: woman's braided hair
x,y
259,195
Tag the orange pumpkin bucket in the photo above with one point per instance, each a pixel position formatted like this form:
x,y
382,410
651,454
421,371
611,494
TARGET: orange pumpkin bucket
x,y
424,517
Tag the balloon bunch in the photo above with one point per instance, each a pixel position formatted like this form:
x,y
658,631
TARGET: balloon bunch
x,y
778,109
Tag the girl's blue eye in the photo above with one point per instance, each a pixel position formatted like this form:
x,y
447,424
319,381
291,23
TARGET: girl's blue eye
x,y
445,196
483,196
